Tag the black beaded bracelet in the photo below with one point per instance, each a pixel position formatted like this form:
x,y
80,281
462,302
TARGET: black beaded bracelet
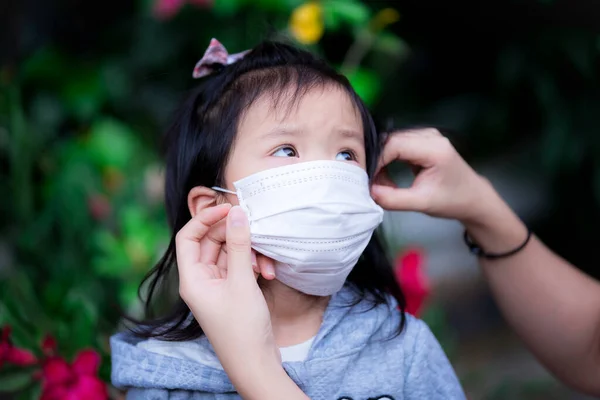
x,y
479,252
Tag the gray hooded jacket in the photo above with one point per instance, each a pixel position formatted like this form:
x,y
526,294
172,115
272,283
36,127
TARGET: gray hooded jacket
x,y
355,356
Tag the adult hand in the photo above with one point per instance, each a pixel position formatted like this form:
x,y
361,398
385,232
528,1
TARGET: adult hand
x,y
262,265
539,293
444,186
227,303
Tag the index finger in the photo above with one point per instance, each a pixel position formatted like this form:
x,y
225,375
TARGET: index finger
x,y
187,241
411,147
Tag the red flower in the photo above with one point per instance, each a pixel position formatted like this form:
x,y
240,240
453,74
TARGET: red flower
x,y
11,354
49,345
165,9
79,380
411,276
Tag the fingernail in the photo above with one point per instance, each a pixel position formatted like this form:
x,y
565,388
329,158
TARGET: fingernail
x,y
270,271
254,263
238,216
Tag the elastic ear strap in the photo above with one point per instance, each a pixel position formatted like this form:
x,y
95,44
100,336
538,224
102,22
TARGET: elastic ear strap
x,y
218,189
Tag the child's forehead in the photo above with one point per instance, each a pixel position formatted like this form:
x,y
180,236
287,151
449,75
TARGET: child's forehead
x,y
294,103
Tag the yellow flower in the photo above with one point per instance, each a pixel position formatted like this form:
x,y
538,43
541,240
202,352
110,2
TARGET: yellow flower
x,y
306,23
383,18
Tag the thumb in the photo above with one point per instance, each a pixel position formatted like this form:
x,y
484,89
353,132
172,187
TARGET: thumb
x,y
239,252
397,199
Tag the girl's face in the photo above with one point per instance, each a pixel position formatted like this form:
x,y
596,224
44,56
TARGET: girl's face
x,y
324,125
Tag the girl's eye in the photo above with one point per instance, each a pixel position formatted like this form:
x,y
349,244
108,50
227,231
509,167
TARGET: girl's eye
x,y
286,151
346,155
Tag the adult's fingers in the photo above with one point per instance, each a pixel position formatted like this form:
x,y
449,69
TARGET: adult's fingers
x,y
239,252
391,198
383,178
187,241
213,242
414,148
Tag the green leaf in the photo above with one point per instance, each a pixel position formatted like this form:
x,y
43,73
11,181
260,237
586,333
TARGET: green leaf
x,y
134,220
84,93
83,312
367,84
224,8
389,43
352,12
23,305
32,393
53,294
112,261
46,113
46,65
128,295
120,87
14,381
331,19
276,5
111,144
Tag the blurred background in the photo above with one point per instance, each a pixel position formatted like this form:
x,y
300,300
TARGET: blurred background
x,y
87,88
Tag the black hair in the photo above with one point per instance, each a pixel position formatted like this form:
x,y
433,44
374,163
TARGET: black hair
x,y
197,147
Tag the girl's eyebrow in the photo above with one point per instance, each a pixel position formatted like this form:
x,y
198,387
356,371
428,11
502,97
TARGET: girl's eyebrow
x,y
350,133
281,131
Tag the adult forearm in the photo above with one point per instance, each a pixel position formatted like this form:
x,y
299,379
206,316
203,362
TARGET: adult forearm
x,y
552,305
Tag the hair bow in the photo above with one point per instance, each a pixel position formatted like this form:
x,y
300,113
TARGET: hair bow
x,y
215,57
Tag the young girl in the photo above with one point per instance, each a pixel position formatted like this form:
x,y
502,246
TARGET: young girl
x,y
283,137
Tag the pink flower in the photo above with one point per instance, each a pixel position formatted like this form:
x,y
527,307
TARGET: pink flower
x,y
79,380
49,345
166,9
410,273
60,381
11,354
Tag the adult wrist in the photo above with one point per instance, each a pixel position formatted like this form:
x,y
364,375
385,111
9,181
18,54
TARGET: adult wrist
x,y
485,207
494,226
269,382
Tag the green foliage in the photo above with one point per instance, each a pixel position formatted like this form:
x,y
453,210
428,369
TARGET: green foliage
x,y
337,13
366,83
15,381
85,220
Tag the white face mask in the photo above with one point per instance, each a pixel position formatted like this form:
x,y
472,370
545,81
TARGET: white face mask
x,y
314,219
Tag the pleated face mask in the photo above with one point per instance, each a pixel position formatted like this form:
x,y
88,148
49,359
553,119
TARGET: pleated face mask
x,y
314,219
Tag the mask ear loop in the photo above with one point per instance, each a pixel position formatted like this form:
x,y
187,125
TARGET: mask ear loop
x,y
218,189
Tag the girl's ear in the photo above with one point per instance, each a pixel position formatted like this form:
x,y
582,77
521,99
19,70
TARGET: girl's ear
x,y
200,198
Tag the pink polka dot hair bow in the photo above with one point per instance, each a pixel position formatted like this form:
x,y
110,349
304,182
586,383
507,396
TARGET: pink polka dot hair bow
x,y
215,58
